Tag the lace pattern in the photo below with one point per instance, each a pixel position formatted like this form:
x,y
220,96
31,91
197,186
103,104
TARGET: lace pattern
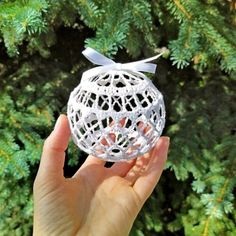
x,y
116,115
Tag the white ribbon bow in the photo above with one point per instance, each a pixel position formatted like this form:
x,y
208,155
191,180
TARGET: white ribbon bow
x,y
108,64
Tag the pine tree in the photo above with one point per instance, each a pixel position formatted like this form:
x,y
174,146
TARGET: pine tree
x,y
40,63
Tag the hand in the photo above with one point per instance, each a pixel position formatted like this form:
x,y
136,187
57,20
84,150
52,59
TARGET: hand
x,y
97,200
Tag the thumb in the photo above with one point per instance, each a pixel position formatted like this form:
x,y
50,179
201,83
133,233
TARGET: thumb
x,y
53,156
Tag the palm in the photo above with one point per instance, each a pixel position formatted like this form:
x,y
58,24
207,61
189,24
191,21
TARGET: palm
x,y
102,199
96,200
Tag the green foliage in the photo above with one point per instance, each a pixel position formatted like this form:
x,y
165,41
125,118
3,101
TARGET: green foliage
x,y
16,212
207,155
202,25
19,20
40,63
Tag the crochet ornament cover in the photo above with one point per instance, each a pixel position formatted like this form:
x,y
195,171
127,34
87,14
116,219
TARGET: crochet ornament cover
x,y
116,113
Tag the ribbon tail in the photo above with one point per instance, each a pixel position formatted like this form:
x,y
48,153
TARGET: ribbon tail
x,y
96,57
151,58
145,67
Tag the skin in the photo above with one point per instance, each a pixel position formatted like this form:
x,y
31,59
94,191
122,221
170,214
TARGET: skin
x,y
96,200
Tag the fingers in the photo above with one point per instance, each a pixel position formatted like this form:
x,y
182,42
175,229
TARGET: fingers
x,y
53,156
91,160
146,182
138,168
121,168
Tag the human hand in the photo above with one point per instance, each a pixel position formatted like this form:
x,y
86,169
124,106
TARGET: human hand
x,y
97,200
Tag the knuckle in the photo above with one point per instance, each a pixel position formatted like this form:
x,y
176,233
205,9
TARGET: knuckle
x,y
46,144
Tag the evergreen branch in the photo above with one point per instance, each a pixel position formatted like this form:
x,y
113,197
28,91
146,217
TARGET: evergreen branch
x,y
219,199
17,125
5,154
182,9
36,145
189,30
90,12
207,27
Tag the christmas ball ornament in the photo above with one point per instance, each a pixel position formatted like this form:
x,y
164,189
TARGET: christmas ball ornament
x,y
116,113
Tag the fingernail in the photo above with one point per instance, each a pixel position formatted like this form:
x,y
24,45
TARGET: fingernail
x,y
57,123
167,140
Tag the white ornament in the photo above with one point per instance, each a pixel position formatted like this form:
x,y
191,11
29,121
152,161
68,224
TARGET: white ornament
x,y
116,113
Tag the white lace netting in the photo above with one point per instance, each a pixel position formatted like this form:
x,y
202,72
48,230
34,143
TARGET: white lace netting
x,y
117,115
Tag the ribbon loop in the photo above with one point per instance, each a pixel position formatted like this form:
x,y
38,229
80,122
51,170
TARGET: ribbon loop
x,y
96,57
106,64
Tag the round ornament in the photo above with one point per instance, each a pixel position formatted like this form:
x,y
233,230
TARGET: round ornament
x,y
116,113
